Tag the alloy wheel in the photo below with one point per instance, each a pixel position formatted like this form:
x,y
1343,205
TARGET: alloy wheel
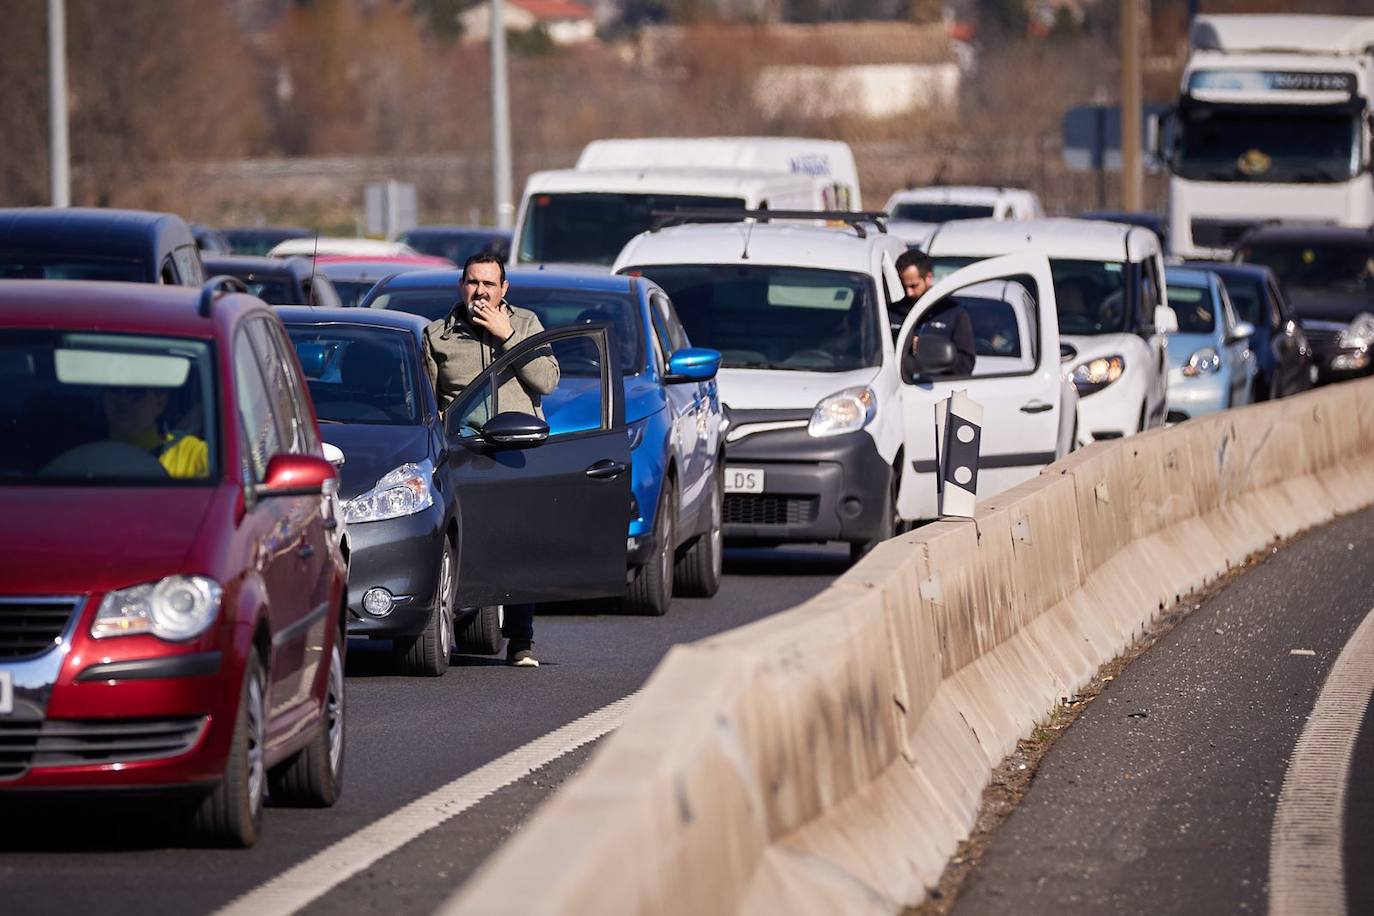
x,y
446,605
334,711
256,714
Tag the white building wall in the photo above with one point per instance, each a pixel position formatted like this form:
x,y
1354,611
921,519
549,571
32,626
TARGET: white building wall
x,y
868,90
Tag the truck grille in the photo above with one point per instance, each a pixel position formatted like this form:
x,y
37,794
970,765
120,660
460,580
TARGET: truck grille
x,y
1220,233
72,742
31,626
766,509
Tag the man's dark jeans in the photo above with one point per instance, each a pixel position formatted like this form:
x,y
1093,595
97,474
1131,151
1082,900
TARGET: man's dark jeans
x,y
518,625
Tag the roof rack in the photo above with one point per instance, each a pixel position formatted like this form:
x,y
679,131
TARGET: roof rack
x,y
857,219
212,286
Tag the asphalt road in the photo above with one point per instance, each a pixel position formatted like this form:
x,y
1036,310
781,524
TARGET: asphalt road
x,y
1161,796
405,738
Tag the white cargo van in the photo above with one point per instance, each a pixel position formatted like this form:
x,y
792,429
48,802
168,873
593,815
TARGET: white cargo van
x,y
825,439
584,215
1272,123
1112,310
944,203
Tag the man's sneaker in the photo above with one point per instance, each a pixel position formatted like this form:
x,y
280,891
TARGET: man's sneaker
x,y
521,658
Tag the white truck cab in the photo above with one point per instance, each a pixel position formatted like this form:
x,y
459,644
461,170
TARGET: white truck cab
x,y
1272,123
584,215
1111,300
824,435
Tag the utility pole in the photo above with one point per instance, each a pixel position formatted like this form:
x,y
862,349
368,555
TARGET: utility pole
x,y
59,156
1132,176
500,120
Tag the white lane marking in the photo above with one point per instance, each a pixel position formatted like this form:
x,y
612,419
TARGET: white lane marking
x,y
1306,871
317,875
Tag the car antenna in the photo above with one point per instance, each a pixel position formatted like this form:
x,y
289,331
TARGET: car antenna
x,y
314,257
748,236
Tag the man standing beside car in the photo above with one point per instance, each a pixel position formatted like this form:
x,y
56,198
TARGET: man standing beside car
x,y
482,327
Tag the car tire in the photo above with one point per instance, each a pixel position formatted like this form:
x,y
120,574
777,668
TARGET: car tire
x,y
231,815
313,776
651,589
697,573
481,633
426,654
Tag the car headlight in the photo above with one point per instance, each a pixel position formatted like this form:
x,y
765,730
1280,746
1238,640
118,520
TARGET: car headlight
x,y
1359,335
1096,374
1203,362
636,432
175,608
844,411
403,491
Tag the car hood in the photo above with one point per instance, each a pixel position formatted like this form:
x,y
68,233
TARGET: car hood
x,y
1182,346
770,389
75,540
371,450
1320,305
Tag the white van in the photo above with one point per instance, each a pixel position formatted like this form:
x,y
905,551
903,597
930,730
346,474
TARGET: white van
x,y
572,216
832,161
945,203
1112,310
825,439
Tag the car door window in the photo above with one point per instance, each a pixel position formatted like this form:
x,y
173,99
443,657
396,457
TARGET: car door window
x,y
577,404
300,404
669,331
294,437
262,436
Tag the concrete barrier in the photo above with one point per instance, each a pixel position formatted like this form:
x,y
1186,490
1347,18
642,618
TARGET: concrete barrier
x,y
830,758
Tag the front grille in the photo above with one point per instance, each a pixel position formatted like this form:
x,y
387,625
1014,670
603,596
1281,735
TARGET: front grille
x,y
1220,233
1322,336
32,626
38,743
766,509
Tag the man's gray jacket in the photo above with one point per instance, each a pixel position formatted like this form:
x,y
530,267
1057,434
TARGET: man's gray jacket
x,y
456,352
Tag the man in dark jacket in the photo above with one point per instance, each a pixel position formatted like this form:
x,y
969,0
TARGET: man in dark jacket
x,y
917,273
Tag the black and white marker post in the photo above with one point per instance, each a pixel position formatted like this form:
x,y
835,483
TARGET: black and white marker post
x,y
958,432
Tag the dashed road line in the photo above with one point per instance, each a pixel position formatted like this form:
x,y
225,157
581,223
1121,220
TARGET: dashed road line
x,y
313,878
1306,871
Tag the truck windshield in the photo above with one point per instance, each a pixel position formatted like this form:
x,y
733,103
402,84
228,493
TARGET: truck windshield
x,y
766,317
592,228
1325,266
939,213
1267,143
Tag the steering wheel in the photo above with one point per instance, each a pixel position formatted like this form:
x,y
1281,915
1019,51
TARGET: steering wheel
x,y
106,458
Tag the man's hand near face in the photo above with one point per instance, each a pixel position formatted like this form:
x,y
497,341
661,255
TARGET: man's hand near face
x,y
492,318
483,290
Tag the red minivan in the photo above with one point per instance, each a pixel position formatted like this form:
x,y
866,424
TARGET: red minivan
x,y
172,582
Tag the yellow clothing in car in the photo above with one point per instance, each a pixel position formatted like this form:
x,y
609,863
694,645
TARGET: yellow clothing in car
x,y
181,456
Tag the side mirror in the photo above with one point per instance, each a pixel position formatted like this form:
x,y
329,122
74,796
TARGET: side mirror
x,y
1166,322
298,475
1243,330
692,364
510,429
334,455
935,355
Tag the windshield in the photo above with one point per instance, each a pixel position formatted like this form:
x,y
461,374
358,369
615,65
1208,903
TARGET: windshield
x,y
106,409
22,265
1326,266
592,228
1267,143
1090,295
352,292
358,374
273,291
939,213
776,317
1194,308
455,246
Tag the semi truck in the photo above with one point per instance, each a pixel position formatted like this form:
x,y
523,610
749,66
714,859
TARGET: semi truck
x,y
1272,125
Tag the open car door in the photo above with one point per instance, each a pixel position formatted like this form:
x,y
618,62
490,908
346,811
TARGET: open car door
x,y
1016,377
543,512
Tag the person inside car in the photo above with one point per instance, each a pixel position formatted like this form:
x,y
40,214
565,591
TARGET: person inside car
x,y
132,416
480,328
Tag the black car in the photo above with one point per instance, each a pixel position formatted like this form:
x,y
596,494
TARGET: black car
x,y
80,243
1327,273
258,240
458,243
277,281
452,516
1286,362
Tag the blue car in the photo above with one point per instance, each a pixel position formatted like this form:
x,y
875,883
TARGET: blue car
x,y
672,406
1211,365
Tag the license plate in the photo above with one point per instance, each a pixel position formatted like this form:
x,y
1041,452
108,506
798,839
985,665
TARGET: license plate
x,y
743,480
6,693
